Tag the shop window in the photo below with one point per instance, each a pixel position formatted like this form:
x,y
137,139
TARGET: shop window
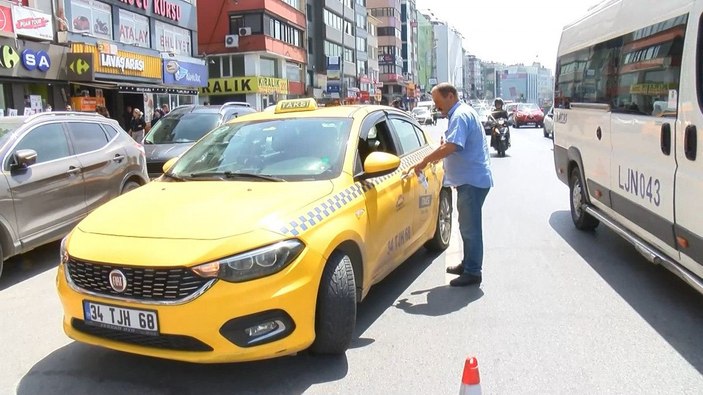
x,y
214,65
238,65
293,72
226,66
268,67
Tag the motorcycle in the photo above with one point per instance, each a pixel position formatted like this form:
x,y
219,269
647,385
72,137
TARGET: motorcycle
x,y
500,136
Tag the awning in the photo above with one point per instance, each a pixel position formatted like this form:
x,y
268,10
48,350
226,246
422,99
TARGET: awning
x,y
145,88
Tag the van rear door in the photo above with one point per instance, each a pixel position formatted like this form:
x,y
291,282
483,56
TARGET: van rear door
x,y
689,155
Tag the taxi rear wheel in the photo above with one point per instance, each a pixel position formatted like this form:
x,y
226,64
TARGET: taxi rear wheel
x,y
443,232
335,317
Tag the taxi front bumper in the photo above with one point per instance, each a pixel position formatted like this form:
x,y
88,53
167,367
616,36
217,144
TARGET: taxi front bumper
x,y
212,328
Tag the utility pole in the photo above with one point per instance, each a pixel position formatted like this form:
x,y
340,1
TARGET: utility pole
x,y
343,79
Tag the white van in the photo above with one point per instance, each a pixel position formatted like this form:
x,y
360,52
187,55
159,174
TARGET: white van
x,y
628,100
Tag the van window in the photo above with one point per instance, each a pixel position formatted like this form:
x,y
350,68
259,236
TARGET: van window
x,y
635,73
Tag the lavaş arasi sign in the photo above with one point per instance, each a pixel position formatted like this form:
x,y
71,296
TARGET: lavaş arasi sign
x,y
121,62
184,74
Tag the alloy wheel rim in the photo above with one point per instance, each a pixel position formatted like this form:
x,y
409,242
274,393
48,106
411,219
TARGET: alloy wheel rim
x,y
445,221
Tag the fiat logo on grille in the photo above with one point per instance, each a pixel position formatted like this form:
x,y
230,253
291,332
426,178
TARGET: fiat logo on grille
x,y
118,281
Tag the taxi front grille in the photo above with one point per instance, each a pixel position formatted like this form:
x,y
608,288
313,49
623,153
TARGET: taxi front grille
x,y
162,341
143,284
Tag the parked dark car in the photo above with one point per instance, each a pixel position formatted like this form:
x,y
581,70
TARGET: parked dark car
x,y
182,127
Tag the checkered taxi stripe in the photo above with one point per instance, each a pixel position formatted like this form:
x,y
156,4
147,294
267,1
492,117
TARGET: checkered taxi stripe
x,y
323,210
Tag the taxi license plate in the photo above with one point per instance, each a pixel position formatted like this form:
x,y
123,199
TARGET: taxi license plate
x,y
120,318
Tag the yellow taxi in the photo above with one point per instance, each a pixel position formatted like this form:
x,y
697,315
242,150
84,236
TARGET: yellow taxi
x,y
260,240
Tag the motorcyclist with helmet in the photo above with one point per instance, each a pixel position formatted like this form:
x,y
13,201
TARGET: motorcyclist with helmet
x,y
498,113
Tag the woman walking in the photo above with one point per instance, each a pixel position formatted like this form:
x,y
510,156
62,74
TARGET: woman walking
x,y
137,125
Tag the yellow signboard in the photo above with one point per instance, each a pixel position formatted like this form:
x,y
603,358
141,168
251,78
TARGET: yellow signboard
x,y
121,62
650,89
295,105
238,85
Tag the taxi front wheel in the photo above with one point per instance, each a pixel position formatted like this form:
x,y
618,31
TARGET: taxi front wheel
x,y
335,317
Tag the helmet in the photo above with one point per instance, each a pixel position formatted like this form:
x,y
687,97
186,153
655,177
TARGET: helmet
x,y
498,100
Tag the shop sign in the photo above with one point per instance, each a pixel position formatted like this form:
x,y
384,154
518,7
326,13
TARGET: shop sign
x,y
32,23
80,67
134,28
237,85
171,38
164,8
184,73
121,62
35,60
8,57
6,25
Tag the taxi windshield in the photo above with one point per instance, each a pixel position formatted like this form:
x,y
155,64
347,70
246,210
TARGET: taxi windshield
x,y
294,149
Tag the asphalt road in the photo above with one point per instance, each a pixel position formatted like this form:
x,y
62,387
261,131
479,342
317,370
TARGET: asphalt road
x,y
560,311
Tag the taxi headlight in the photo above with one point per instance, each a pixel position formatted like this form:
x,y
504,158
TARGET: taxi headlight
x,y
257,263
63,254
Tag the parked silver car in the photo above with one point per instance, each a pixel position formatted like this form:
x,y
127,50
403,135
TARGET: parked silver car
x,y
56,168
182,127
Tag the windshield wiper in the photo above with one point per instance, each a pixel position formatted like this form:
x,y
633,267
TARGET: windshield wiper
x,y
230,174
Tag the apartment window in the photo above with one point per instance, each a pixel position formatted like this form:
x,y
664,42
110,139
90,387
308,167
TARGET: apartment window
x,y
383,12
388,31
294,72
268,67
348,3
284,32
387,49
361,67
361,3
348,28
349,55
361,44
309,12
371,28
310,44
361,21
252,21
332,49
293,3
331,19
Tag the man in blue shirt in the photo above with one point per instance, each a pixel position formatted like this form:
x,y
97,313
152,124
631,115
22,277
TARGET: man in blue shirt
x,y
467,169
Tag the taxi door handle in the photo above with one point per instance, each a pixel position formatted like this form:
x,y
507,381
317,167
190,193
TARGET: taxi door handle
x,y
400,202
73,170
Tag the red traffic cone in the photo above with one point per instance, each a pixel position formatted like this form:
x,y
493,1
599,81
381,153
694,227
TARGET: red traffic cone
x,y
470,380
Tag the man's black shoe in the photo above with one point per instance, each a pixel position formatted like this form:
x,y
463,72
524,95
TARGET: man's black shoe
x,y
458,269
465,279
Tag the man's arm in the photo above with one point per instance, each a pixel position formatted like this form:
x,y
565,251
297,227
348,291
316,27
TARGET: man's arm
x,y
440,153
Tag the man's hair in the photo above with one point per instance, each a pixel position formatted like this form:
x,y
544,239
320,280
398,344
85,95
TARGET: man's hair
x,y
445,89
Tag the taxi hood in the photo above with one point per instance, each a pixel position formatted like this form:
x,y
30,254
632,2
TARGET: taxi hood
x,y
201,210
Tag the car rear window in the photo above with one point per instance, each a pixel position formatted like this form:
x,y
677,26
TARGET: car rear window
x,y
182,128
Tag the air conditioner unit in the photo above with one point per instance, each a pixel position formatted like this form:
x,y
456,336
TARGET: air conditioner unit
x,y
231,41
245,31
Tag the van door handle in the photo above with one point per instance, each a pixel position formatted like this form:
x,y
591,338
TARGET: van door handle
x,y
665,139
73,170
690,142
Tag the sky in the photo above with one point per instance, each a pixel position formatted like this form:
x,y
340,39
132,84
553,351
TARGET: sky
x,y
510,31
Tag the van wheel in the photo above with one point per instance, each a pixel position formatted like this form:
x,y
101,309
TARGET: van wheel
x,y
2,261
582,220
335,317
129,186
544,130
443,232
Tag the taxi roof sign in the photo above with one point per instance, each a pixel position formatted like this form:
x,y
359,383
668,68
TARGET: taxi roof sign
x,y
295,105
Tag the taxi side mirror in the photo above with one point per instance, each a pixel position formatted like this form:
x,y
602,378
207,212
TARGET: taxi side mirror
x,y
379,164
169,164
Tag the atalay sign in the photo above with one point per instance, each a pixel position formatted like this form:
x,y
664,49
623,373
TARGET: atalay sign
x,y
185,73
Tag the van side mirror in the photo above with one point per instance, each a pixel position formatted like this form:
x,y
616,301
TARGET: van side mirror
x,y
23,158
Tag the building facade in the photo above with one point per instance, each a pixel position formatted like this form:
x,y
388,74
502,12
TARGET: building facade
x,y
389,47
255,50
526,84
427,59
473,77
450,56
373,87
490,75
409,35
124,53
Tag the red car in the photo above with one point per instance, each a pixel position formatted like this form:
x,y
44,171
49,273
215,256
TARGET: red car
x,y
527,113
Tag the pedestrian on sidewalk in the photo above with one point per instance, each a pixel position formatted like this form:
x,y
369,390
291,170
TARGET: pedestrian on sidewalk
x,y
137,125
467,169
